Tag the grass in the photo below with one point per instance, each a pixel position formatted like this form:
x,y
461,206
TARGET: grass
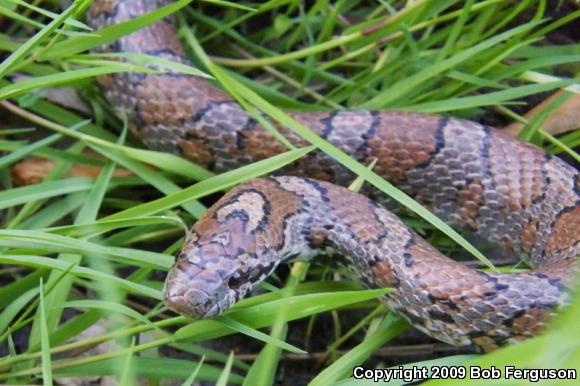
x,y
93,247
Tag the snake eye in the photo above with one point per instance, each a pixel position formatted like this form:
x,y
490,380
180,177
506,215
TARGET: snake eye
x,y
235,280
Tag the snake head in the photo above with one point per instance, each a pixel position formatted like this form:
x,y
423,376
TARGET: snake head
x,y
218,265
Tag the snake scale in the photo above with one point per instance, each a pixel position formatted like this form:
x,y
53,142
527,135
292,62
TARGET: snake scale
x,y
470,175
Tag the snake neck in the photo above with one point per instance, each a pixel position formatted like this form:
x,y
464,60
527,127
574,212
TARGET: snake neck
x,y
244,237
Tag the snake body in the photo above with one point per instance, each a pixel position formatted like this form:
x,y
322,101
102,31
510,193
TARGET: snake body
x,y
470,175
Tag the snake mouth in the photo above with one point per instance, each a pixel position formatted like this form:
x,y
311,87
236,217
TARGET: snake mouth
x,y
194,303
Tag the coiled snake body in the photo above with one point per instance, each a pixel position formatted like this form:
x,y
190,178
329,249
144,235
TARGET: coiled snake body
x,y
472,176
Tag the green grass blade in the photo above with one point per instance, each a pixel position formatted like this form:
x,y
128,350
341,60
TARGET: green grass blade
x,y
389,328
52,15
161,183
61,265
234,325
224,376
58,79
261,315
189,381
57,243
45,342
22,152
15,307
95,229
164,161
211,185
108,306
489,99
19,55
151,368
398,90
24,194
83,43
144,60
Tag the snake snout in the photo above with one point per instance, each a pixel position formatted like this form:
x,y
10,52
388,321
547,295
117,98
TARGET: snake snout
x,y
196,294
194,303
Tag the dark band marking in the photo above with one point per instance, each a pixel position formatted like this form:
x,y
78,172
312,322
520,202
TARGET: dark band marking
x,y
545,180
558,284
240,137
439,142
486,162
496,284
444,301
412,241
438,315
415,320
200,113
510,321
327,122
363,148
234,198
321,189
161,52
408,259
239,214
476,334
266,207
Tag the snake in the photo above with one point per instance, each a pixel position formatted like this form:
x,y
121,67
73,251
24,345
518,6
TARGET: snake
x,y
472,176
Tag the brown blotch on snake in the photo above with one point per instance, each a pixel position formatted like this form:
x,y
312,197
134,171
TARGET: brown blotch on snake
x,y
475,178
